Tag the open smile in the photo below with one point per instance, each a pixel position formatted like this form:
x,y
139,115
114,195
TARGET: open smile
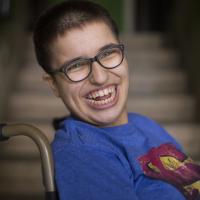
x,y
102,98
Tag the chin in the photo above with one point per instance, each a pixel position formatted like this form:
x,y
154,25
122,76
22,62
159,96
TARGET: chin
x,y
106,120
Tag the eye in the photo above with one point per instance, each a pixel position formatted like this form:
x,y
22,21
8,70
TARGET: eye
x,y
73,67
106,54
77,66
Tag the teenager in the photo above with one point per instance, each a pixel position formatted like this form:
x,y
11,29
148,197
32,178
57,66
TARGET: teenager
x,y
101,151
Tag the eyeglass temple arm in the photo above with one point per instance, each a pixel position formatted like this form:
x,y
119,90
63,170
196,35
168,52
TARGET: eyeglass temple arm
x,y
7,131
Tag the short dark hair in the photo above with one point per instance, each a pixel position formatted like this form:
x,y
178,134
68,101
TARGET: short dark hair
x,y
63,17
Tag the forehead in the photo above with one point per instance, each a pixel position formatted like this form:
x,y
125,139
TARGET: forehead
x,y
87,39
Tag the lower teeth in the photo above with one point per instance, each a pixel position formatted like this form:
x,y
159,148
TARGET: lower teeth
x,y
103,98
103,101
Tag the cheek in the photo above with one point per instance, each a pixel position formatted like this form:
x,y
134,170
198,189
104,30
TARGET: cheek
x,y
122,71
126,70
70,93
125,63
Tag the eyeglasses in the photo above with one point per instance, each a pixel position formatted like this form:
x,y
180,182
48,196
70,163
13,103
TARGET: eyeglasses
x,y
80,69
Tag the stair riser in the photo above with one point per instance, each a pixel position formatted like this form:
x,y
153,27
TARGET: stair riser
x,y
160,108
18,177
140,83
21,146
157,90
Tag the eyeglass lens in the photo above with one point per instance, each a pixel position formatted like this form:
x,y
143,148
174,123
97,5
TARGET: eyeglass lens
x,y
108,58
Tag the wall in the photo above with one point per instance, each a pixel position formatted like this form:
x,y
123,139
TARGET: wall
x,y
12,48
186,33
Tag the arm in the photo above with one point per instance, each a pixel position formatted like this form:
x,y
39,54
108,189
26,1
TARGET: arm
x,y
88,173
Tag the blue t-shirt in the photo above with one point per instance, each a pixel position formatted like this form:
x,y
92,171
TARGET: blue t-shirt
x,y
135,161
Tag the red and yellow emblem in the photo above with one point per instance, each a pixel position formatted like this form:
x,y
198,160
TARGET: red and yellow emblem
x,y
169,164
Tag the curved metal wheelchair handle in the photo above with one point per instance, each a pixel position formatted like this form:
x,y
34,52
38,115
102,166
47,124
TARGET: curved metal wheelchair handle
x,y
10,130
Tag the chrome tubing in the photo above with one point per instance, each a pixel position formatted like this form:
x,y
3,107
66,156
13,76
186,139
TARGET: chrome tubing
x,y
10,130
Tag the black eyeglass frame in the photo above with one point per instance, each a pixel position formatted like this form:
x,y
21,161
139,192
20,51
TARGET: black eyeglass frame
x,y
91,60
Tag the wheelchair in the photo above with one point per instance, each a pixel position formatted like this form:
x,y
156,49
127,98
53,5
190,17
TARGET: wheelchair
x,y
10,130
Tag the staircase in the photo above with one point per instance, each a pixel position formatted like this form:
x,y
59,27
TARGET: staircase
x,y
158,89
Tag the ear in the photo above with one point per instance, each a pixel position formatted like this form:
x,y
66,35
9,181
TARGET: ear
x,y
52,83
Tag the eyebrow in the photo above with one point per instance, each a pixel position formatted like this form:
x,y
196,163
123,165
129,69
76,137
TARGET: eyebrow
x,y
82,57
106,46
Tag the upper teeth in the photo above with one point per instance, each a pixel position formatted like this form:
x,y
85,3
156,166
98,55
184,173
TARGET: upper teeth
x,y
101,93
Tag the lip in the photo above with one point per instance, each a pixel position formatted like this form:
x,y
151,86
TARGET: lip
x,y
102,88
107,105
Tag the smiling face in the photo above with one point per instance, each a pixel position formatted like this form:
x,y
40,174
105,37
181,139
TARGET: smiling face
x,y
101,98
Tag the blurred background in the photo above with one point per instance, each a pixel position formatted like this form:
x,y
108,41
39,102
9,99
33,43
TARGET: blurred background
x,y
163,49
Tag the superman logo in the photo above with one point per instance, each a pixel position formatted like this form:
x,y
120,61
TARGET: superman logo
x,y
169,164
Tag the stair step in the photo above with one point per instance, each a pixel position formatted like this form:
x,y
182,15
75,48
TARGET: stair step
x,y
15,174
156,89
134,41
159,107
158,53
36,107
22,147
159,58
169,82
151,62
188,135
147,60
141,81
143,40
164,108
21,177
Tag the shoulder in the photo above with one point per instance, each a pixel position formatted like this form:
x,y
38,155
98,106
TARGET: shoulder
x,y
74,137
141,119
151,129
65,134
143,122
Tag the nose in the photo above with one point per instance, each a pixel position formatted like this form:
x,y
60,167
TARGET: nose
x,y
99,75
